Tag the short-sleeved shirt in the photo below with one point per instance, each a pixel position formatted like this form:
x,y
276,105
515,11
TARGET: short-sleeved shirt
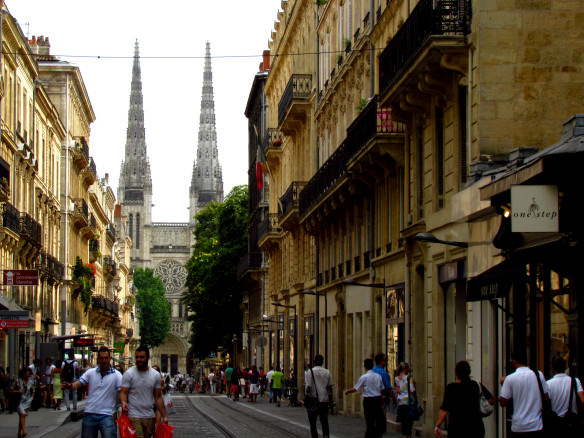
x,y
522,387
254,377
277,378
141,385
103,390
401,384
560,389
371,383
228,373
384,376
269,375
461,401
318,381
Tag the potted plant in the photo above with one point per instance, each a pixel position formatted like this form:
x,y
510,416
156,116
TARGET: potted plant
x,y
362,104
339,59
82,276
321,2
347,46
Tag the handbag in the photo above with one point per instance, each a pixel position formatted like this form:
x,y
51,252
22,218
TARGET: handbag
x,y
416,410
163,431
168,404
126,430
485,408
548,416
311,403
572,419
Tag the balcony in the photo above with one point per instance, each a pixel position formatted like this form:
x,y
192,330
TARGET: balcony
x,y
81,153
110,267
294,105
373,134
55,267
105,305
443,27
110,233
90,172
273,145
30,229
11,218
94,252
80,213
4,181
249,263
288,217
269,231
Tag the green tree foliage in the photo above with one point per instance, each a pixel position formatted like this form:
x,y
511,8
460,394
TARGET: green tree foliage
x,y
213,294
154,307
83,275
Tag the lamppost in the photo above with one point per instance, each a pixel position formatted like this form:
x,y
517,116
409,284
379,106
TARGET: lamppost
x,y
265,318
291,306
318,294
234,340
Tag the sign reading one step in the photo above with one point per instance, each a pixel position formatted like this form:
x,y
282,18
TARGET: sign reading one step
x,y
21,277
14,319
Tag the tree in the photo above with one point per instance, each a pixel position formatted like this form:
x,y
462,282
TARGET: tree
x,y
213,295
154,307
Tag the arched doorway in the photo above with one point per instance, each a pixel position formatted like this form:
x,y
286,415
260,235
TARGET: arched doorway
x,y
171,356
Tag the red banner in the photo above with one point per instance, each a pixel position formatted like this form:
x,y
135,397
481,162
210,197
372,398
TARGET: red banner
x,y
13,323
21,277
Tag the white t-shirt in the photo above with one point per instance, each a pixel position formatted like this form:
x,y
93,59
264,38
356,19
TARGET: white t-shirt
x,y
559,387
269,375
47,377
141,386
371,383
521,387
322,379
103,390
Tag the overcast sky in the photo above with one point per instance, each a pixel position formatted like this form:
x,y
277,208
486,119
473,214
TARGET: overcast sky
x,y
79,31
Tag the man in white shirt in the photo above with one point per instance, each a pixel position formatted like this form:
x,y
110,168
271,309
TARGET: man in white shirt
x,y
48,383
373,387
140,392
521,386
104,385
560,391
318,383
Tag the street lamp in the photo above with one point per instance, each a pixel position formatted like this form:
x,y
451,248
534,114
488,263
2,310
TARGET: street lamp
x,y
291,306
431,238
317,295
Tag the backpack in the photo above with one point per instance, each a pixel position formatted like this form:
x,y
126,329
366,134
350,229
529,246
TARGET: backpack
x,y
68,373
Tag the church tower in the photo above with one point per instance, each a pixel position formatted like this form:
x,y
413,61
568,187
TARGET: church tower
x,y
207,180
135,187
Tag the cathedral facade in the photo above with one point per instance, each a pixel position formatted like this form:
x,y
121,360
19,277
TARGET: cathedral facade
x,y
166,247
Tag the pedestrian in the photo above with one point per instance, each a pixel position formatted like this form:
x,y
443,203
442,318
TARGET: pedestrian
x,y
235,383
228,373
25,386
522,387
318,384
163,390
387,395
68,375
405,389
372,386
269,381
254,380
48,383
461,404
212,383
140,392
104,383
55,382
561,388
277,379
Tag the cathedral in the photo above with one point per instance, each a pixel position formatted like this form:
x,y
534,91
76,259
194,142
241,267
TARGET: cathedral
x,y
166,247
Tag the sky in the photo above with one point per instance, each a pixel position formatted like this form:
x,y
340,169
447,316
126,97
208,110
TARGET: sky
x,y
239,31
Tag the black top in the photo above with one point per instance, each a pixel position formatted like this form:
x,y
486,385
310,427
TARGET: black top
x,y
461,401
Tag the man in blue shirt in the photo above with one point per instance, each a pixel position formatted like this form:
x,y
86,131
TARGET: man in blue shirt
x,y
380,364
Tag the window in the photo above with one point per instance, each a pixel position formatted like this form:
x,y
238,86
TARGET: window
x,y
130,225
462,137
395,329
439,151
137,230
420,171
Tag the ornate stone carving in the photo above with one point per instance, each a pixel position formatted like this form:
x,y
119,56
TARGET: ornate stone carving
x,y
172,274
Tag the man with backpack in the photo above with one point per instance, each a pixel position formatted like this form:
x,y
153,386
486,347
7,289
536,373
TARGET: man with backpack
x,y
69,375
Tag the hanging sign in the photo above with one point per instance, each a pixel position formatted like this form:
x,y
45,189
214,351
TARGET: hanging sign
x,y
21,277
119,347
534,209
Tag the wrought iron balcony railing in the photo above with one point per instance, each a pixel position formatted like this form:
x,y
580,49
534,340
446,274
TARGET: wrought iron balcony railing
x,y
249,261
11,218
299,87
269,225
30,228
449,17
290,199
273,139
92,166
104,303
81,210
111,231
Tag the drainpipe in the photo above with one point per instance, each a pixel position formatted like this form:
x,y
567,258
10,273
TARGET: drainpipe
x,y
371,51
66,225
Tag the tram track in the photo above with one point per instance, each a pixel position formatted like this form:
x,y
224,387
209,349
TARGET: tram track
x,y
217,425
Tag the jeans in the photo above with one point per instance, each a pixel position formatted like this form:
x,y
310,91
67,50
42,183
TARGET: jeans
x,y
92,423
321,413
374,416
69,393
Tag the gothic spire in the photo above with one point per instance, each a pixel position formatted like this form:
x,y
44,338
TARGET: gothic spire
x,y
207,180
135,177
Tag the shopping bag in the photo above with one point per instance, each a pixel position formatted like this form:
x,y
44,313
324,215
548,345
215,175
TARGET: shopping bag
x,y
168,404
163,431
126,430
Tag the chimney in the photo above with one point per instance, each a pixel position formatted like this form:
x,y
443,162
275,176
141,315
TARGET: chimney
x,y
265,65
44,47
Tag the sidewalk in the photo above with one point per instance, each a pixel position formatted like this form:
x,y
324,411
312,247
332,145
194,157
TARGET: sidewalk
x,y
38,423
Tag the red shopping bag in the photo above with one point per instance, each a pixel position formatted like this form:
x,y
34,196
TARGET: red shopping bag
x,y
163,430
126,430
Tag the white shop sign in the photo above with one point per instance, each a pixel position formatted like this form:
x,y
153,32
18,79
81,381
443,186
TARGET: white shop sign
x,y
534,209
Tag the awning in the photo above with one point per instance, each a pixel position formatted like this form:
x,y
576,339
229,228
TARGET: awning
x,y
493,283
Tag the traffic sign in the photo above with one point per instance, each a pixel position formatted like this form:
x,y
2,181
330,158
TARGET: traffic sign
x,y
21,277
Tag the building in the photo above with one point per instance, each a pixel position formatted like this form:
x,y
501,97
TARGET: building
x,y
402,139
166,247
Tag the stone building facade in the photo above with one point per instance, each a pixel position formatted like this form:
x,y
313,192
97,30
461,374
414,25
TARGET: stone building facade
x,y
166,247
380,222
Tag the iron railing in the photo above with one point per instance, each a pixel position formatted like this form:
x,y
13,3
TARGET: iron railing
x,y
251,260
93,245
269,225
92,166
299,87
449,17
81,209
273,138
104,303
11,218
30,228
111,230
290,199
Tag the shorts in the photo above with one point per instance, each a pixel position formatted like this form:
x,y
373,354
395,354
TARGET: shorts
x,y
277,392
235,388
254,388
144,427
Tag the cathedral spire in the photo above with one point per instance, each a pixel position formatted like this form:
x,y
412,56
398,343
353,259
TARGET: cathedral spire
x,y
207,179
135,177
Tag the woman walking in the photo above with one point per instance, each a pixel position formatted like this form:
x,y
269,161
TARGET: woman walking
x,y
462,406
56,382
26,388
405,388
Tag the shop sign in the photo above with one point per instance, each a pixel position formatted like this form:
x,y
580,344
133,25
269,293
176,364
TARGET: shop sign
x,y
21,277
83,342
14,319
119,347
534,209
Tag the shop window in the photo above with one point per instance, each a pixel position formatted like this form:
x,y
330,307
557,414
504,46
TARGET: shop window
x,y
395,326
309,339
